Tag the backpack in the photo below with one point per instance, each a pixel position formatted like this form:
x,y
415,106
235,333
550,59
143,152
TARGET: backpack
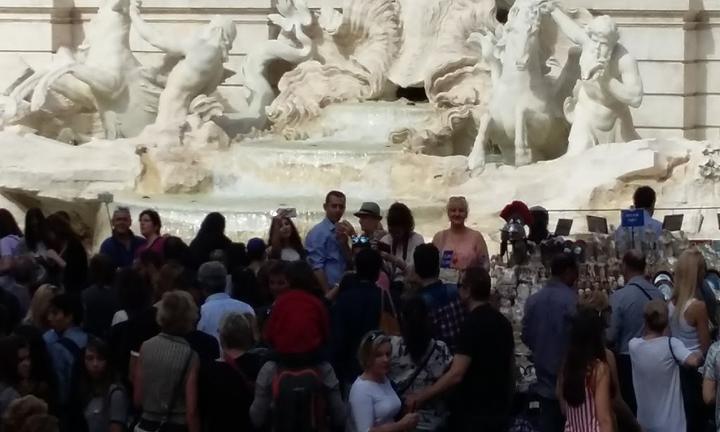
x,y
300,400
77,354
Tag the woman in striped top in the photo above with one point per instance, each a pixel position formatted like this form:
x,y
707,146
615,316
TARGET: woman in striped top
x,y
584,383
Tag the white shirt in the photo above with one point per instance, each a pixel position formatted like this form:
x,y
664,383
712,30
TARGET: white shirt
x,y
372,404
215,308
656,377
289,255
414,241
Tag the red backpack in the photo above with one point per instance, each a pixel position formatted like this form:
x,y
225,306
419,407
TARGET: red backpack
x,y
300,400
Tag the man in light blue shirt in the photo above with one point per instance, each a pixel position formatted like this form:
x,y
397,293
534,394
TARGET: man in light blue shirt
x,y
628,319
546,331
212,277
324,243
65,341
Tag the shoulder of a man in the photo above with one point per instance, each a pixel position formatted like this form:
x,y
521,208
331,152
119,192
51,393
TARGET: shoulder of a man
x,y
319,231
107,244
617,298
642,284
241,306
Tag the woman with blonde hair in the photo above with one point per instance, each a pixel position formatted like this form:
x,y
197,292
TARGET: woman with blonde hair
x,y
166,375
689,320
374,405
690,323
37,315
460,247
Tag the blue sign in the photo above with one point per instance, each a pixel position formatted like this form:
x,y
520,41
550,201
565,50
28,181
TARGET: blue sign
x,y
632,218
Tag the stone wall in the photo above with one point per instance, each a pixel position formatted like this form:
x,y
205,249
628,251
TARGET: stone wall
x,y
675,41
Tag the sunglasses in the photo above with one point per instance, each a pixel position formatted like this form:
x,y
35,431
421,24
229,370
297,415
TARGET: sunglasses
x,y
375,335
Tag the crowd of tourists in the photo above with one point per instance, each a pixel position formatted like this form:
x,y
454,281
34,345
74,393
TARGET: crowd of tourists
x,y
352,329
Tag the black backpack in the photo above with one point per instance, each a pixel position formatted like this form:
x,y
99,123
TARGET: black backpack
x,y
300,400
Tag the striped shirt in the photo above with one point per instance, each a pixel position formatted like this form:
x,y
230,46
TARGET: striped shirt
x,y
582,418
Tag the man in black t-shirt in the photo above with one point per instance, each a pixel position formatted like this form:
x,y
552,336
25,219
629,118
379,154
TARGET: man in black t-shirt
x,y
483,366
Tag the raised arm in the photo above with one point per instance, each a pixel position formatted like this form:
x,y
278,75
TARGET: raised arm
x,y
173,46
571,29
630,90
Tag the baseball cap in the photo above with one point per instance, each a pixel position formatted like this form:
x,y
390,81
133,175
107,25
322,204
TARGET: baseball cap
x,y
369,209
256,245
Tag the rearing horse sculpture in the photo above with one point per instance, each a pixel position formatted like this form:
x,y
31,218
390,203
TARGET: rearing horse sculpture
x,y
525,118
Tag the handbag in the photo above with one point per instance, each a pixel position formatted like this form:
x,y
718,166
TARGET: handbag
x,y
164,425
389,323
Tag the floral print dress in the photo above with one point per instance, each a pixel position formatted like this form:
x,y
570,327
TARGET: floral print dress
x,y
402,368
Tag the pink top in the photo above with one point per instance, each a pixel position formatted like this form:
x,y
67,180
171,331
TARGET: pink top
x,y
583,418
157,246
467,249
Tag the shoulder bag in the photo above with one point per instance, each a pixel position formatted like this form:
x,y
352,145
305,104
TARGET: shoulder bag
x,y
164,425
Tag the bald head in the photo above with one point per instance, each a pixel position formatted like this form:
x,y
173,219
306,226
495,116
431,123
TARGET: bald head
x,y
634,263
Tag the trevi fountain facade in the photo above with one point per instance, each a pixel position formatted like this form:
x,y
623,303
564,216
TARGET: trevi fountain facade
x,y
246,106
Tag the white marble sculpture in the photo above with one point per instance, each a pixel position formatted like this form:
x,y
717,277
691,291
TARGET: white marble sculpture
x,y
609,85
524,119
375,47
454,75
292,46
355,51
199,69
103,75
371,145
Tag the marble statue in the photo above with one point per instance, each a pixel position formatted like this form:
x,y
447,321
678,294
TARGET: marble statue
x,y
355,50
292,46
524,118
375,47
609,85
455,75
103,75
319,108
199,69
